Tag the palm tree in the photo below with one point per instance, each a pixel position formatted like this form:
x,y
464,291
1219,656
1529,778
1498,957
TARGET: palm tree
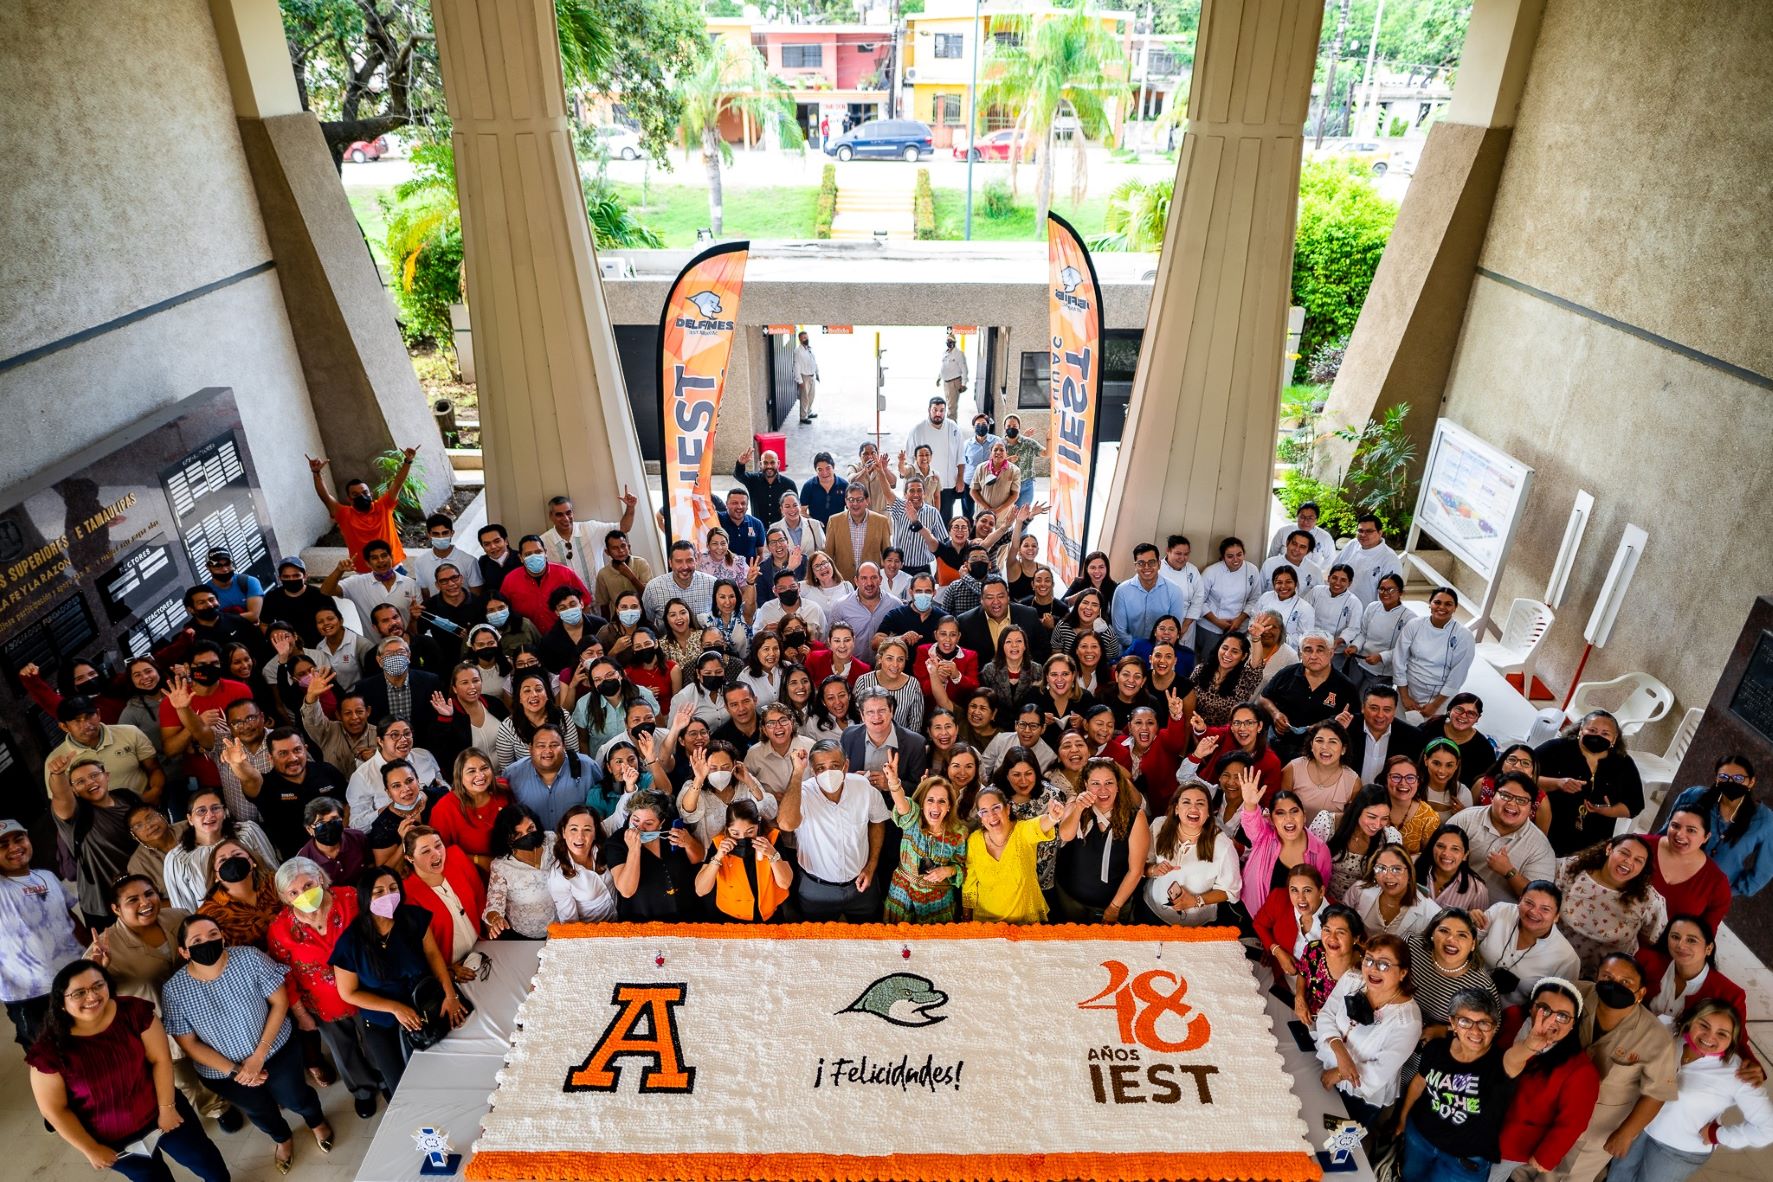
x,y
1069,63
1137,213
734,79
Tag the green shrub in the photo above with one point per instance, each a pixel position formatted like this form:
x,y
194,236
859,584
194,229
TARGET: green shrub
x,y
410,507
826,209
436,284
1343,226
923,209
1326,362
998,201
1334,513
1379,471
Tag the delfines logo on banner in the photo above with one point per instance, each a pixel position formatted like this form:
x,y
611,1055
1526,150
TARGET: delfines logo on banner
x,y
1075,322
696,335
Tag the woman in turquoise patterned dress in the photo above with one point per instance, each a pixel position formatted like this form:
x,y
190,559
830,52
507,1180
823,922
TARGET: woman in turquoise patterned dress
x,y
932,855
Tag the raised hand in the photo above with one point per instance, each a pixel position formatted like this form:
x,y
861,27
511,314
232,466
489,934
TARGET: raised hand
x,y
444,707
30,670
1249,784
317,464
285,644
410,452
319,684
234,754
643,743
1056,810
751,571
1176,702
179,693
797,757
892,770
344,567
745,459
629,500
681,719
59,765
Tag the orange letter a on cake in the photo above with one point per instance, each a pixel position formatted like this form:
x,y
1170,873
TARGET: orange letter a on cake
x,y
645,1025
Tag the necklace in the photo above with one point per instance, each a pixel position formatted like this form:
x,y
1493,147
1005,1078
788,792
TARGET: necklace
x,y
1311,774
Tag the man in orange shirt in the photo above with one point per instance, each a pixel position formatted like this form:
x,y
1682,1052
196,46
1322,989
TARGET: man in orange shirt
x,y
363,517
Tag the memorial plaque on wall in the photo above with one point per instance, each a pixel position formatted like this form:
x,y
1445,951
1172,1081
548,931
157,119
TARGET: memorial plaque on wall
x,y
1752,702
96,553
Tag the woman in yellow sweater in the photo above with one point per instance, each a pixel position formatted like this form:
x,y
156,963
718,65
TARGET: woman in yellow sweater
x,y
1001,884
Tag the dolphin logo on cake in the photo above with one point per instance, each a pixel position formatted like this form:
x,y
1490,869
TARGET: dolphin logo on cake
x,y
904,999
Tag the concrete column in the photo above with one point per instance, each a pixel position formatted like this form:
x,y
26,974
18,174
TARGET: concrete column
x,y
553,408
360,380
1197,455
1401,351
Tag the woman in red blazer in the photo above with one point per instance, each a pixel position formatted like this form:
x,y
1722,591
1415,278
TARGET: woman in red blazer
x,y
1556,1089
1284,913
444,881
1688,973
946,647
1160,753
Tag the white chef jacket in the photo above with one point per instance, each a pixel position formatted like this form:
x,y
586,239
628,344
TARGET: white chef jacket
x,y
1311,575
1188,582
1340,615
1295,613
1378,631
1368,567
1230,593
1323,546
1430,660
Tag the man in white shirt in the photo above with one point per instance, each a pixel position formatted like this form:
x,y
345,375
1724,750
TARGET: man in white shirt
x,y
1338,610
365,793
839,822
1432,657
1298,555
1368,557
1507,850
422,565
383,584
806,377
1323,546
1179,570
578,545
1229,590
942,436
952,376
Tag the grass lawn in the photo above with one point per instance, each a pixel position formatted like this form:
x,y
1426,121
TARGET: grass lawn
x,y
676,212
366,205
1019,226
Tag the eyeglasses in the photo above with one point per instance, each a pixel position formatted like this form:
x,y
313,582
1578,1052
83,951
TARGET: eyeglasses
x,y
1381,966
1389,871
1556,1017
1464,712
1403,778
1483,1025
1513,798
1146,564
1244,724
209,810
89,993
1733,777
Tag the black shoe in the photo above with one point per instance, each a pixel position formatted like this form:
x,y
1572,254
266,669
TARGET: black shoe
x,y
232,1120
804,422
814,415
366,1107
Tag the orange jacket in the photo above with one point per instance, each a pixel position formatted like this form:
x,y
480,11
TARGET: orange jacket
x,y
732,890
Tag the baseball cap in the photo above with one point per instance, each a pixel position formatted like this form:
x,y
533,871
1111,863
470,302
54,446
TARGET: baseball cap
x,y
76,706
295,561
219,555
9,826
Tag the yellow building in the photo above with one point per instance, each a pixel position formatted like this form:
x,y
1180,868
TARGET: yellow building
x,y
938,52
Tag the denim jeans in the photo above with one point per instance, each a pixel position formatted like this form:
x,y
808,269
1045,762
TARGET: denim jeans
x,y
1423,1162
286,1087
1649,1160
188,1145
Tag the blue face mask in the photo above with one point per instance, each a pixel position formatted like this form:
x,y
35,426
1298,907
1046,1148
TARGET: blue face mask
x,y
572,617
535,564
629,616
497,616
443,544
922,600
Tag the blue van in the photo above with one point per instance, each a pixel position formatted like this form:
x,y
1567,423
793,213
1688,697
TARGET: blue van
x,y
884,139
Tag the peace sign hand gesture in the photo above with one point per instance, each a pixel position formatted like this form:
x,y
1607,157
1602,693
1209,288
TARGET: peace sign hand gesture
x,y
234,753
751,572
1176,702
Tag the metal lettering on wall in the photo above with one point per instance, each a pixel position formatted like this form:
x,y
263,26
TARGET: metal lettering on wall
x,y
1753,700
96,552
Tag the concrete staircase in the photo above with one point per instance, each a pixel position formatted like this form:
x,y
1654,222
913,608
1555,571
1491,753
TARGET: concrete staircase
x,y
873,195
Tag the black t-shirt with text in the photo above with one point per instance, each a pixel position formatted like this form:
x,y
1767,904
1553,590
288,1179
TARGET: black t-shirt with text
x,y
1462,1105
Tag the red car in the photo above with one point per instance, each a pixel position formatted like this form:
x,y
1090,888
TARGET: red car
x,y
363,150
995,146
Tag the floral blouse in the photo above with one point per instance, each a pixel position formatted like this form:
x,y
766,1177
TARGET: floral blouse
x,y
1314,967
1046,855
519,892
1215,706
1597,920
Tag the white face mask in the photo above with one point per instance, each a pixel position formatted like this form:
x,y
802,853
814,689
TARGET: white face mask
x,y
831,779
719,778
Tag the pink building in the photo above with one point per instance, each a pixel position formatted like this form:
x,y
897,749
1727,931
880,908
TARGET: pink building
x,y
833,70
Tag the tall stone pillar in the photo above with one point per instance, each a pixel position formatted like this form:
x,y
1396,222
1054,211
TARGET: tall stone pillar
x,y
553,408
1401,351
366,397
1197,456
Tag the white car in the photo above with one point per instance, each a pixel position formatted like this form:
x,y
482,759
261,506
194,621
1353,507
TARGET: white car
x,y
621,142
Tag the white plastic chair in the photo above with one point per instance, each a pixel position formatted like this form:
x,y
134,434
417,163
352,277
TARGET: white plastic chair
x,y
1660,769
1528,621
1634,699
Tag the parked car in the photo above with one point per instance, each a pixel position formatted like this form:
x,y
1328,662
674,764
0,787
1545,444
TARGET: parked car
x,y
903,139
621,142
362,151
996,146
1376,156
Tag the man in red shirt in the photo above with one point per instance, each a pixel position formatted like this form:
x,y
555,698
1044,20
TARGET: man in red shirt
x,y
528,587
194,707
364,517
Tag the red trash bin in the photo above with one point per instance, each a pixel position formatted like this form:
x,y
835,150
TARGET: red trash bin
x,y
774,441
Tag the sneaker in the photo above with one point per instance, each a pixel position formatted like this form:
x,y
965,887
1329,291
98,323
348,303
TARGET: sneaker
x,y
232,1120
366,1107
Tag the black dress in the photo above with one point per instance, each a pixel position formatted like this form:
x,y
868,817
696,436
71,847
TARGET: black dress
x,y
1615,781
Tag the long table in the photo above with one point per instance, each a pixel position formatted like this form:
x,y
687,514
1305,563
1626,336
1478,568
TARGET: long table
x,y
450,1086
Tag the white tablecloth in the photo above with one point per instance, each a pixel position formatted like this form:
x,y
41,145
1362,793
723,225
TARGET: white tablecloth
x,y
450,1086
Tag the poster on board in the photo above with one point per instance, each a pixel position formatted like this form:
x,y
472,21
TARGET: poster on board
x,y
1472,495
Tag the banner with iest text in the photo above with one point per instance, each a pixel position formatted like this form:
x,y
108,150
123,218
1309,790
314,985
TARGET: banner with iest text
x,y
1075,322
696,333
873,1053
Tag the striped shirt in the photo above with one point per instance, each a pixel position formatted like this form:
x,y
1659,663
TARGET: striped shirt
x,y
907,699
917,546
228,1014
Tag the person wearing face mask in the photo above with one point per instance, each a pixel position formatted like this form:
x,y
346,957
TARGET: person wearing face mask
x,y
572,624
228,1009
340,851
209,623
381,583
1637,1060
788,603
747,876
519,905
294,601
652,860
409,808
362,516
839,822
601,713
382,956
703,696
444,619
719,780
913,623
192,709
401,690
1590,782
530,589
962,594
239,895
440,531
302,938
1740,840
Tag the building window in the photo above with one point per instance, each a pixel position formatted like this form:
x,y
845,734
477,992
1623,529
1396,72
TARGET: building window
x,y
997,118
1032,389
1163,63
946,110
803,57
1008,40
950,45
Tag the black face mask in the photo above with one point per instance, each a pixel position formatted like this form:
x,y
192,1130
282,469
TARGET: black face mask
x,y
487,656
979,430
528,841
1596,744
1731,790
208,615
207,953
329,832
978,570
1614,996
1359,1008
789,597
635,732
292,586
206,674
1013,432
363,502
711,683
794,639
235,869
642,656
609,687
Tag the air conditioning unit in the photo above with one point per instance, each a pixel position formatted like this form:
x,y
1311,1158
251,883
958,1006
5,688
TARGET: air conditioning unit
x,y
911,75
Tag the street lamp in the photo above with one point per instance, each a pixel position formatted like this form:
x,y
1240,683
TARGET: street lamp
x,y
973,119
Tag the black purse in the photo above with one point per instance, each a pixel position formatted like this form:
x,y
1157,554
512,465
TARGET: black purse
x,y
427,999
1358,1008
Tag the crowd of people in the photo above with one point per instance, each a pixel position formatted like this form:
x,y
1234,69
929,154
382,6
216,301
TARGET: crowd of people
x,y
864,697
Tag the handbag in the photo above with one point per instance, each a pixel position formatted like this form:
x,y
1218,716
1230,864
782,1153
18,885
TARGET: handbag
x,y
427,999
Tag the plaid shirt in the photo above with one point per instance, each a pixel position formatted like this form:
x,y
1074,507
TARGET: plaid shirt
x,y
228,1014
399,698
962,595
239,807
